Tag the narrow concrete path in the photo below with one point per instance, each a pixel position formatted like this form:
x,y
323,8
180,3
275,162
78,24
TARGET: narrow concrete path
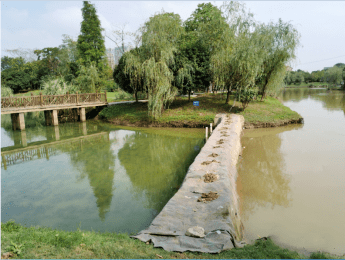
x,y
203,216
124,102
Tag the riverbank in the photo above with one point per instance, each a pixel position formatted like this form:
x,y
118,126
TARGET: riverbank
x,y
268,113
18,241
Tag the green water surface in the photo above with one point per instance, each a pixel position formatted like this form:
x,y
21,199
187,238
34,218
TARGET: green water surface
x,y
90,175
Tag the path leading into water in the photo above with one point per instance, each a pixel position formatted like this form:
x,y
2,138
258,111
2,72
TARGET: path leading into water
x,y
203,215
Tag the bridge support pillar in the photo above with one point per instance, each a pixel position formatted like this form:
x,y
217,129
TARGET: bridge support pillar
x,y
82,114
47,116
84,129
18,121
23,137
55,117
57,133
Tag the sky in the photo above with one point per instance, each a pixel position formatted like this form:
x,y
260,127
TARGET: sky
x,y
40,24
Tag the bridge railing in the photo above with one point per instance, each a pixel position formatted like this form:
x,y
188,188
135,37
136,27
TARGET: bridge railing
x,y
53,100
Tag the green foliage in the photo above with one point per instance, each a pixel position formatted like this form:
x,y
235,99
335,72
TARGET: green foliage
x,y
246,95
120,77
281,47
19,75
88,80
151,65
90,43
9,62
10,226
334,75
6,91
68,57
49,58
65,239
17,249
58,87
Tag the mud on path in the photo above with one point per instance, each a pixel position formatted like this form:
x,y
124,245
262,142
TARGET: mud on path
x,y
210,177
205,197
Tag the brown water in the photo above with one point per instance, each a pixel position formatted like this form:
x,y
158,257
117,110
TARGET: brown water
x,y
292,179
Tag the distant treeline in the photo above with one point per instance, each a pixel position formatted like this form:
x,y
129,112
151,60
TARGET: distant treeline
x,y
333,76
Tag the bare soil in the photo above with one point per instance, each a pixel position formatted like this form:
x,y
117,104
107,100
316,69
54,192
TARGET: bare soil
x,y
209,162
206,197
210,177
213,155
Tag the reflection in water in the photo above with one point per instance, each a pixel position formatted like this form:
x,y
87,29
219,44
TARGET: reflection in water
x,y
156,164
291,181
262,179
97,163
331,99
95,175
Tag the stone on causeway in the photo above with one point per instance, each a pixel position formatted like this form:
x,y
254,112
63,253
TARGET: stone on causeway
x,y
195,232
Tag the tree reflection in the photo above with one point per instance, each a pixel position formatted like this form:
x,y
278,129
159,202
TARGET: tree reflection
x,y
157,165
96,161
262,180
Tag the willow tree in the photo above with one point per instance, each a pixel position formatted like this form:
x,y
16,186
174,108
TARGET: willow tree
x,y
160,35
282,50
239,59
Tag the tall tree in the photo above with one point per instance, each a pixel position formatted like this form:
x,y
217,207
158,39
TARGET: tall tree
x,y
90,43
238,61
205,28
284,39
160,36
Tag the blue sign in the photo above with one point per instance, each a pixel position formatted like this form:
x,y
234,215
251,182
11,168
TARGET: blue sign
x,y
195,103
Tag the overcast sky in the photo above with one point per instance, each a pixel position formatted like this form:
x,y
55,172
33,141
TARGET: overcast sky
x,y
40,24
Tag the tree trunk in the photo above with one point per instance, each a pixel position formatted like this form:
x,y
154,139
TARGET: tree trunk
x,y
136,96
189,94
228,96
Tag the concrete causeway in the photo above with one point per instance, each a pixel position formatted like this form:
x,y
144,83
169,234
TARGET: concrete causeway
x,y
203,215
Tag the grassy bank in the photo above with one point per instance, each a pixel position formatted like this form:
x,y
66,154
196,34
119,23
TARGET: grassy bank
x,y
182,113
305,85
38,242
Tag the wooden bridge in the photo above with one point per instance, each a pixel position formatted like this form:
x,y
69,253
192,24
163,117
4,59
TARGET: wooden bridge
x,y
50,104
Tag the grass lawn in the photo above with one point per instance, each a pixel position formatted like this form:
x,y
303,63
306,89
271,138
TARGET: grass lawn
x,y
182,112
39,242
34,92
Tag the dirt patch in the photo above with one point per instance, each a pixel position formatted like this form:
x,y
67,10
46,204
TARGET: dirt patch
x,y
223,132
223,128
7,255
217,146
221,141
209,162
210,177
206,197
224,135
213,155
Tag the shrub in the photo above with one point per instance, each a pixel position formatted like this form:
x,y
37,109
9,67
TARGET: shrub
x,y
246,95
58,87
6,91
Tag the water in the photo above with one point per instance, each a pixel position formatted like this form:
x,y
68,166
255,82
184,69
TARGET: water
x,y
292,179
92,176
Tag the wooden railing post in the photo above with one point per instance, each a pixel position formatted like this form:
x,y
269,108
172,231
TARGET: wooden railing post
x,y
67,96
77,98
41,99
105,92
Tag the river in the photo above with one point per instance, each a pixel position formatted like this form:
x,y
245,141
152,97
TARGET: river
x,y
91,176
292,179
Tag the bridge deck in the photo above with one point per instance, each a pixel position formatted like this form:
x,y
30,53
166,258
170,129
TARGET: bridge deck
x,y
13,110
